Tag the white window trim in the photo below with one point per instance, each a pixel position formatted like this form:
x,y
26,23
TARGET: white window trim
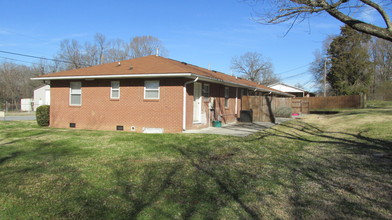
x,y
112,89
159,89
227,95
70,94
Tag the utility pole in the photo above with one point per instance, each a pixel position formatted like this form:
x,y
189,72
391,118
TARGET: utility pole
x,y
325,77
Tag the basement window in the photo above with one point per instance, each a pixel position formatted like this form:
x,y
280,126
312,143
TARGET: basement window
x,y
120,128
75,93
115,90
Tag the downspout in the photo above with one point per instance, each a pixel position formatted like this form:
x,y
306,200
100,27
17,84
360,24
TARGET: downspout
x,y
236,101
184,103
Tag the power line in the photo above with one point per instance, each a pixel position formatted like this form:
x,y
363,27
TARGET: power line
x,y
298,74
294,69
37,57
23,35
17,60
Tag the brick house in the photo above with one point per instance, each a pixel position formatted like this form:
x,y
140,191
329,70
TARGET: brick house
x,y
147,94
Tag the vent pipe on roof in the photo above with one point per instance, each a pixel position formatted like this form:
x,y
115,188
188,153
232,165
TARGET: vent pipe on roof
x,y
157,52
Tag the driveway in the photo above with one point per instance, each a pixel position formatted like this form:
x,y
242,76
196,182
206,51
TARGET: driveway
x,y
238,129
18,118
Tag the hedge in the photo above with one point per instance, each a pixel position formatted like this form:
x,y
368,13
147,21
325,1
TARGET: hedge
x,y
42,115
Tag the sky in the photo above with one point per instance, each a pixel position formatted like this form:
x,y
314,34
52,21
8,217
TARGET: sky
x,y
200,32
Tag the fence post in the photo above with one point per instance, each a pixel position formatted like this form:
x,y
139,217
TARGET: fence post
x,y
363,99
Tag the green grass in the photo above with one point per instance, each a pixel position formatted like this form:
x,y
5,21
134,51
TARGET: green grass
x,y
19,113
317,167
379,104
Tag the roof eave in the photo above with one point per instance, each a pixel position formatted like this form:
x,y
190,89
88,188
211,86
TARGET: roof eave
x,y
151,75
158,75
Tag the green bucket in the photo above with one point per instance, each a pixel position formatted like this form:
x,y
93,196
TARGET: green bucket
x,y
216,124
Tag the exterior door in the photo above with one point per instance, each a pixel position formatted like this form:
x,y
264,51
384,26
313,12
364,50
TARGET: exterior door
x,y
197,103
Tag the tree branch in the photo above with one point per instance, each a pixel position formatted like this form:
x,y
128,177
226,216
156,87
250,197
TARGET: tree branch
x,y
382,12
293,9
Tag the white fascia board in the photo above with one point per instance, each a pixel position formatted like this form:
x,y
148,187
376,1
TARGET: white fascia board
x,y
158,75
115,76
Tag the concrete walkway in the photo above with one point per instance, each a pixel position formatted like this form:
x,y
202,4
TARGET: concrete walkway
x,y
239,129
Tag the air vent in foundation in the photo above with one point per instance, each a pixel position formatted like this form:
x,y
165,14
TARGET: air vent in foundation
x,y
72,125
120,128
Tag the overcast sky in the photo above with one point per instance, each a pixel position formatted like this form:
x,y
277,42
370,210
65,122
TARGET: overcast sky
x,y
200,32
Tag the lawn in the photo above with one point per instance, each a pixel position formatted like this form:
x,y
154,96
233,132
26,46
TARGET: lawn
x,y
316,167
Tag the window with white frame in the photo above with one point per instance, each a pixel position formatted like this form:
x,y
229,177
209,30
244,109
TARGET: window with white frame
x,y
206,91
75,93
115,90
227,89
151,89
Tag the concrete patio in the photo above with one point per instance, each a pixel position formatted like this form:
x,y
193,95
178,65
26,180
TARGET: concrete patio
x,y
239,129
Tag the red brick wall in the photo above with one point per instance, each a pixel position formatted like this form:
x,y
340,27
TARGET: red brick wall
x,y
217,91
98,111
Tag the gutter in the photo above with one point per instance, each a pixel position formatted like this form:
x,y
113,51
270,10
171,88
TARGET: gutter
x,y
159,75
115,76
184,103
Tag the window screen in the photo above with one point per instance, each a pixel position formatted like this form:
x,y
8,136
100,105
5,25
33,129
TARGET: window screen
x,y
151,89
115,90
75,93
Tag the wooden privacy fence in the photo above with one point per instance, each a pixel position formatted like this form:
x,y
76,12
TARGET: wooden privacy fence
x,y
297,106
261,107
335,102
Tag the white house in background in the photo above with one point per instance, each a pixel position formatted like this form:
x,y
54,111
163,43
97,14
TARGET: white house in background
x,y
298,92
26,105
41,96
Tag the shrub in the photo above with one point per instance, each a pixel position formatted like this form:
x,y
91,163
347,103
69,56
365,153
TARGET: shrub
x,y
284,112
42,115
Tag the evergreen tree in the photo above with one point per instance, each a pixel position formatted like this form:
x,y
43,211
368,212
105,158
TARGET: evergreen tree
x,y
351,69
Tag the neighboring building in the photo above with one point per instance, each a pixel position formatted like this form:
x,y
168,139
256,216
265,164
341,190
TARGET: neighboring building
x,y
147,94
298,92
41,96
26,105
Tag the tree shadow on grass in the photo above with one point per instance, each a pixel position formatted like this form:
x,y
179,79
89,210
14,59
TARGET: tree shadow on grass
x,y
243,178
339,176
194,185
231,189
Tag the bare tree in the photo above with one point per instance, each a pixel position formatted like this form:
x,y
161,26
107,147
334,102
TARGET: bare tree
x,y
117,50
15,82
146,45
72,53
46,67
91,54
381,54
321,65
254,67
278,11
76,55
101,45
